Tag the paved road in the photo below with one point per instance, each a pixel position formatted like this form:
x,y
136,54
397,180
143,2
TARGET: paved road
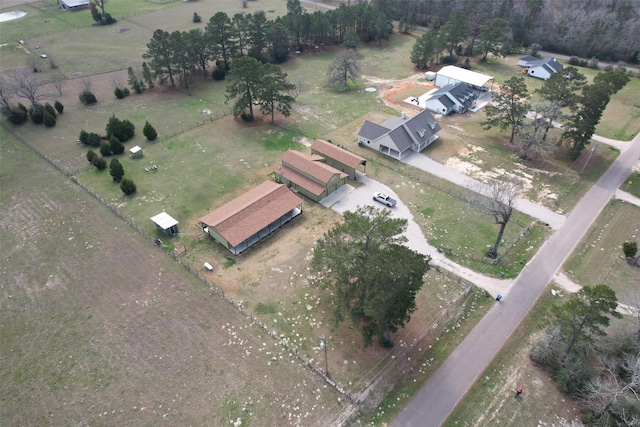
x,y
434,402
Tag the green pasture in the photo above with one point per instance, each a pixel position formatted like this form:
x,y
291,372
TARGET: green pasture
x,y
632,184
598,258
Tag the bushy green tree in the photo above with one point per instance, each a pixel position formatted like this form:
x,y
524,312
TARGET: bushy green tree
x,y
36,113
105,148
372,276
91,156
124,130
59,107
149,132
630,249
87,97
127,186
116,170
100,163
18,115
48,120
423,51
49,109
116,146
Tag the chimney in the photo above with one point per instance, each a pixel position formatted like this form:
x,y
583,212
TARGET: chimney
x,y
403,115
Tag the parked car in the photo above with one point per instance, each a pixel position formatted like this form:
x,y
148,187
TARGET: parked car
x,y
384,199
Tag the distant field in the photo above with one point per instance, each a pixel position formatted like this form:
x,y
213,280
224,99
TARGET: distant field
x,y
598,259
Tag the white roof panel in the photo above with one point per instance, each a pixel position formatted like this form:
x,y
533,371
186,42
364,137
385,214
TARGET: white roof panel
x,y
164,220
134,150
466,76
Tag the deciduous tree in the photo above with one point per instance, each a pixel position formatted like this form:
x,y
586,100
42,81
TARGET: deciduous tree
x,y
499,203
344,67
372,276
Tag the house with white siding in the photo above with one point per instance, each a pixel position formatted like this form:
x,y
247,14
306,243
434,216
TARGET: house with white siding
x,y
400,136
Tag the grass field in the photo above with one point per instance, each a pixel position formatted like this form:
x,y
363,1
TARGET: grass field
x,y
598,259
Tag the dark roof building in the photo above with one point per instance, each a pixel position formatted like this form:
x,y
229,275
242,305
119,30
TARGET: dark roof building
x,y
400,136
253,216
454,98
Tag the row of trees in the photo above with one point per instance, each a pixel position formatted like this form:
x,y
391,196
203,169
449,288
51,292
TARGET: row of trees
x,y
493,36
567,97
174,57
18,85
604,29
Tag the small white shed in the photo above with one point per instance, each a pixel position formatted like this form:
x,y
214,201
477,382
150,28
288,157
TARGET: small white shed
x,y
136,152
165,223
430,76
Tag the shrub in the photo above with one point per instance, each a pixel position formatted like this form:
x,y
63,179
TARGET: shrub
x,y
218,74
120,93
449,59
630,249
100,163
18,115
84,137
608,67
247,117
94,139
91,156
116,146
121,129
49,120
196,17
105,148
59,107
127,186
49,109
149,132
37,114
116,170
593,63
87,97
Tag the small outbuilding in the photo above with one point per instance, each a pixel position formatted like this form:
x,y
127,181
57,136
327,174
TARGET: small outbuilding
x,y
73,4
136,152
165,223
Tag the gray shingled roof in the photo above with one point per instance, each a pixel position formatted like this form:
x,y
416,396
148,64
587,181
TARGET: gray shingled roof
x,y
372,131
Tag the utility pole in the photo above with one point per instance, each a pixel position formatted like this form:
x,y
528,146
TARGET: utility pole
x,y
323,346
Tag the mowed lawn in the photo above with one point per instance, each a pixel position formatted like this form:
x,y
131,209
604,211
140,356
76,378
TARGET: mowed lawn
x,y
599,259
99,327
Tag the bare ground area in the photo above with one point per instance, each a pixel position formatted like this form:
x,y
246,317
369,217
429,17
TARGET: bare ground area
x,y
99,327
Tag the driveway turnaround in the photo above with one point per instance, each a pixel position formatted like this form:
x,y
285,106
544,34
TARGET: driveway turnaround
x,y
433,403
